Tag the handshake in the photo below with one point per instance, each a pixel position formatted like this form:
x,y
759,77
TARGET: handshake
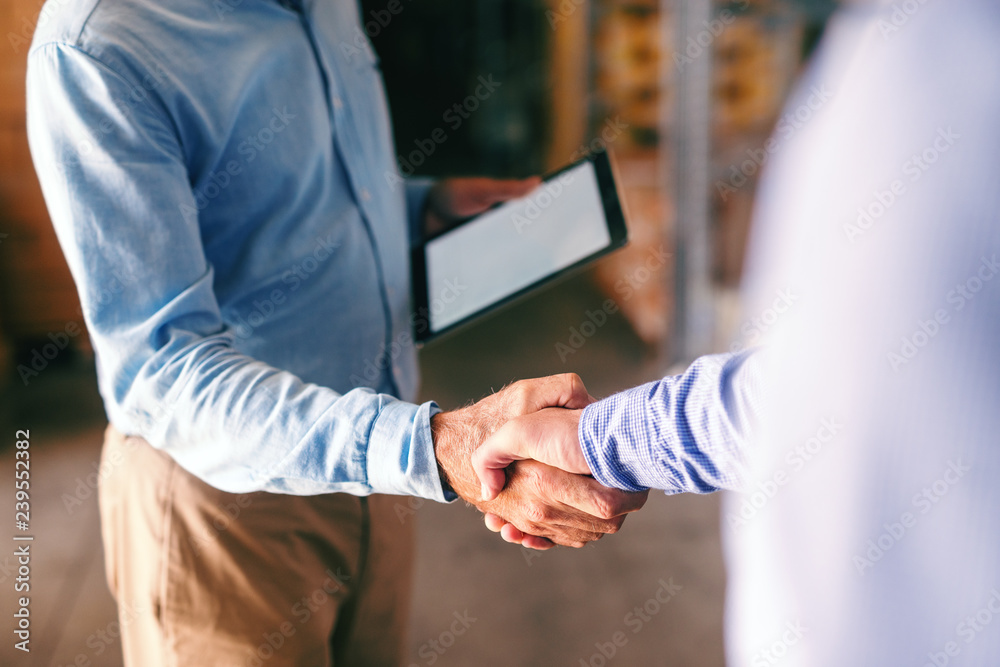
x,y
516,456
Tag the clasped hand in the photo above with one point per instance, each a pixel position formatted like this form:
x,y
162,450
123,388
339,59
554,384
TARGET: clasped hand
x,y
529,476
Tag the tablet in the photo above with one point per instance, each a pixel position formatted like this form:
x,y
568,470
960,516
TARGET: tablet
x,y
490,260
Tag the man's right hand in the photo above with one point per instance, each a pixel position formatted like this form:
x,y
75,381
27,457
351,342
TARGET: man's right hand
x,y
541,501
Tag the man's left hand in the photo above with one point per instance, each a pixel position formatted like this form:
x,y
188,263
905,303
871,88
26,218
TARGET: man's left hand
x,y
454,199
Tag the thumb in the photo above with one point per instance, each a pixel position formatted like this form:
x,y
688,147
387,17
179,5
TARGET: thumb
x,y
494,191
510,188
493,456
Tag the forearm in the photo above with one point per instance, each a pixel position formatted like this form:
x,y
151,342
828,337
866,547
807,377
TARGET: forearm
x,y
685,433
241,425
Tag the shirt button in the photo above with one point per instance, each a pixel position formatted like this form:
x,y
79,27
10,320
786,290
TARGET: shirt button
x,y
338,103
365,194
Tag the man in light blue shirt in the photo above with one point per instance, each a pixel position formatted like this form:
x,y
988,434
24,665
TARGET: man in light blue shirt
x,y
864,435
228,166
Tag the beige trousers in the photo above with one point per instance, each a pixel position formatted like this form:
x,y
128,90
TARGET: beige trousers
x,y
204,577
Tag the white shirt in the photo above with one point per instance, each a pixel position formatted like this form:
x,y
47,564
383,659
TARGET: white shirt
x,y
869,533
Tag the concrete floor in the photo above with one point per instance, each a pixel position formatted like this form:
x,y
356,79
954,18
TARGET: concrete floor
x,y
554,608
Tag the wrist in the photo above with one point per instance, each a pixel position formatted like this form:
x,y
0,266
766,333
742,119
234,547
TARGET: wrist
x,y
452,451
457,434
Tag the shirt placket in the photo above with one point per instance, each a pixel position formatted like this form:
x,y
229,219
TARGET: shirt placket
x,y
341,121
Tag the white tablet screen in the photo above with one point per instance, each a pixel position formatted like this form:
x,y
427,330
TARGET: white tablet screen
x,y
515,245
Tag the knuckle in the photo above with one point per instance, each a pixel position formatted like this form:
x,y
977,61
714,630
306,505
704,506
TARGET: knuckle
x,y
536,513
605,507
614,525
518,399
532,528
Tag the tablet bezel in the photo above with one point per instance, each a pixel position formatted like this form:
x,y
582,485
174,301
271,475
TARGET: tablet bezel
x,y
614,217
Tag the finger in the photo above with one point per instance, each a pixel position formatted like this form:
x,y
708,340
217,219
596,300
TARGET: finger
x,y
562,524
490,460
512,534
538,543
493,522
565,536
547,505
574,500
572,539
590,496
557,532
491,481
511,188
529,541
576,395
563,390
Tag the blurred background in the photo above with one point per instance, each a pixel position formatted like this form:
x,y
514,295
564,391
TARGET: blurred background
x,y
684,95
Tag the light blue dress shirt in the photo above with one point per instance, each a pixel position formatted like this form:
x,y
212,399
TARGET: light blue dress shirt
x,y
868,529
222,179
